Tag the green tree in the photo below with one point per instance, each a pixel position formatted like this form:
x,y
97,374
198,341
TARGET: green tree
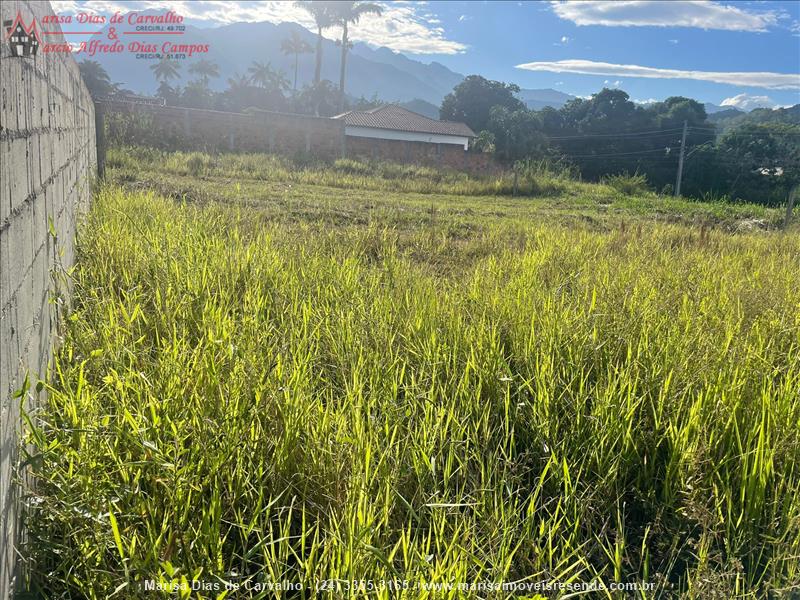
x,y
344,14
762,161
321,99
484,142
322,12
296,45
264,76
601,135
517,133
167,92
241,94
196,95
205,70
238,83
96,78
166,69
471,101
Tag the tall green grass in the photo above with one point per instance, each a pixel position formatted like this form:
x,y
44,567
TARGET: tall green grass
x,y
246,399
199,176
344,173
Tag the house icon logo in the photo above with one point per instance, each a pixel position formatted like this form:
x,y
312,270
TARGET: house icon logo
x,y
24,41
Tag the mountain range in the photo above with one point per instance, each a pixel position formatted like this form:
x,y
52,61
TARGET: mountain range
x,y
371,72
380,72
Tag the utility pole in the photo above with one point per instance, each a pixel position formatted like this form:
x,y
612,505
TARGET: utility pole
x,y
680,162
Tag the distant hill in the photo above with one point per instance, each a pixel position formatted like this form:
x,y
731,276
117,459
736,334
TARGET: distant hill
x,y
720,115
712,108
538,99
234,47
736,118
421,107
381,72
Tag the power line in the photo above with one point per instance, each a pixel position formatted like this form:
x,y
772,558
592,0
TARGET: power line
x,y
615,153
735,131
653,133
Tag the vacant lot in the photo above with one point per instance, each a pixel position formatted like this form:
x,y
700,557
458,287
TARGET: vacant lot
x,y
264,378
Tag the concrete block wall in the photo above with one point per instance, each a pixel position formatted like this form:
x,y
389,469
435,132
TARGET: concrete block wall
x,y
176,128
47,157
435,155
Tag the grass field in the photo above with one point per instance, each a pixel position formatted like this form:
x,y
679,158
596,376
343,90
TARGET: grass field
x,y
264,378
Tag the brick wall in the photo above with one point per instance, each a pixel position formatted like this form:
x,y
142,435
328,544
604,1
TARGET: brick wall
x,y
172,127
47,153
437,155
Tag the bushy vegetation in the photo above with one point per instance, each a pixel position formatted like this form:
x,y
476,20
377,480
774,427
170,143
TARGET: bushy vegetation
x,y
357,385
751,157
311,184
624,183
533,179
608,134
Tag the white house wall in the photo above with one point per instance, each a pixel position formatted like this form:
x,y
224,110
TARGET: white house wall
x,y
408,136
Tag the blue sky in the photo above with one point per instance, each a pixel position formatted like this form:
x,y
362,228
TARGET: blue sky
x,y
742,54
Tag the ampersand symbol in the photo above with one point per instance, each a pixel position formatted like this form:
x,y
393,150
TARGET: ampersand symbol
x,y
112,33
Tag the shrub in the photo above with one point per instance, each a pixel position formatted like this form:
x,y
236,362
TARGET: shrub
x,y
351,167
628,185
198,164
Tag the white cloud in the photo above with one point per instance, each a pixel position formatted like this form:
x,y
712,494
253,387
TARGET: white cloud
x,y
673,41
677,13
404,27
748,102
774,81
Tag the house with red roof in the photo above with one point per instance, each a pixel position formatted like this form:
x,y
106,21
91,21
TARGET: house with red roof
x,y
392,122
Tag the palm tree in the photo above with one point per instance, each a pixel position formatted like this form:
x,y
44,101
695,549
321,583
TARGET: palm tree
x,y
205,69
238,83
323,16
166,92
297,46
96,78
264,76
345,13
259,73
166,69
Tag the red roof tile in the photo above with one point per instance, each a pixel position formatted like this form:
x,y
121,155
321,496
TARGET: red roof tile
x,y
398,118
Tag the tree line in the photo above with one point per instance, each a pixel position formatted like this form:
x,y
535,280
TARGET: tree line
x,y
262,86
756,157
757,160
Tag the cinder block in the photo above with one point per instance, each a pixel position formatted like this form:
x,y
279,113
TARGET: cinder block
x,y
9,360
6,281
5,184
34,162
40,178
20,180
